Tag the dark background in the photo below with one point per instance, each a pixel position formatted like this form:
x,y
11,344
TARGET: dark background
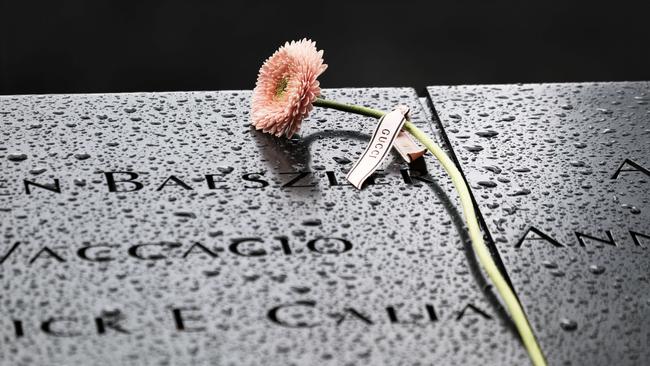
x,y
106,46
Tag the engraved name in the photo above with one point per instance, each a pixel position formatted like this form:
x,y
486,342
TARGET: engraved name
x,y
298,314
30,254
132,181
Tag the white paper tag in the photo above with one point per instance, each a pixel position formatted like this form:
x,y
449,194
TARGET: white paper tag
x,y
380,144
408,149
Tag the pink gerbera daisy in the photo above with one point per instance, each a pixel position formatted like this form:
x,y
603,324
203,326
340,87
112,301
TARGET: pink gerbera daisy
x,y
287,87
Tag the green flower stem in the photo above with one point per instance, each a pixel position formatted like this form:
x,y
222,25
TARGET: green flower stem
x,y
325,103
478,244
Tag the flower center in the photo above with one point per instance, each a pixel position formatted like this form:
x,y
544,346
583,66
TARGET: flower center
x,y
281,87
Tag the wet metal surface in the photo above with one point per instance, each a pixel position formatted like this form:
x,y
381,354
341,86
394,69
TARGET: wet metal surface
x,y
560,173
160,229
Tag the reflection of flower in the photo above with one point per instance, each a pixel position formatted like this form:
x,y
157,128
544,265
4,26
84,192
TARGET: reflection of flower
x,y
287,87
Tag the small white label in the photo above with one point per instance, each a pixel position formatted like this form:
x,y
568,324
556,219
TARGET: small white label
x,y
380,144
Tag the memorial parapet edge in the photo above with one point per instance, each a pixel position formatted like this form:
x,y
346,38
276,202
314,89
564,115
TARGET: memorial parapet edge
x,y
560,174
160,228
